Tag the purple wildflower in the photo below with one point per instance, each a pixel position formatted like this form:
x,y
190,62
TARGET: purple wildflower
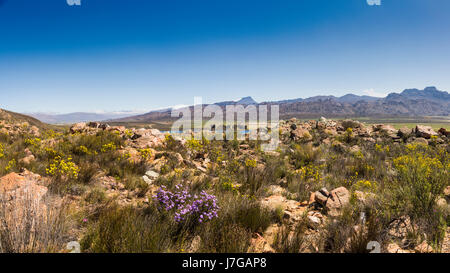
x,y
202,207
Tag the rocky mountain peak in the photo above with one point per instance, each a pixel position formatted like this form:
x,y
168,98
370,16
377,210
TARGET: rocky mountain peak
x,y
247,101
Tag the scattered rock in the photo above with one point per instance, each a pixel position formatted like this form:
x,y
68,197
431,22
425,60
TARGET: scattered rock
x,y
395,248
271,233
424,247
364,197
320,198
150,176
441,202
355,149
14,186
276,190
425,131
399,228
405,132
420,140
447,192
348,123
27,160
301,134
444,132
78,127
195,244
313,221
259,245
389,130
337,200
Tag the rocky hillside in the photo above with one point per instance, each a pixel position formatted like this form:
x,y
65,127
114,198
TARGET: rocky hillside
x,y
16,118
331,186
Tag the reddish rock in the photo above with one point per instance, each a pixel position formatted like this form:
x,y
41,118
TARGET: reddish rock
x,y
338,199
444,132
16,186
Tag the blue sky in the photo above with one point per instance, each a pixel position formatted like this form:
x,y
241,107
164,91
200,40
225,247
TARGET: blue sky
x,y
130,54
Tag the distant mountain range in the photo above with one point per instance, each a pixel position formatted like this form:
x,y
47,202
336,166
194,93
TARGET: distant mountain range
x,y
409,103
79,117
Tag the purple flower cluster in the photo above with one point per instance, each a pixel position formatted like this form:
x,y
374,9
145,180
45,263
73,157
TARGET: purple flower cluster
x,y
202,207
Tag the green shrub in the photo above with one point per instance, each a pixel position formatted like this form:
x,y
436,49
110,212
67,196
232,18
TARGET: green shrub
x,y
128,230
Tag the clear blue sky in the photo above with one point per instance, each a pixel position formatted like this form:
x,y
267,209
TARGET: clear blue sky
x,y
131,54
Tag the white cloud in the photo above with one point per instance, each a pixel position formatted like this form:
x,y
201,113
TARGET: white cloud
x,y
371,92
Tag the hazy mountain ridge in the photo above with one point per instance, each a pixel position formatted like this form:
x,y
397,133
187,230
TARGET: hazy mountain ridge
x,y
409,103
75,117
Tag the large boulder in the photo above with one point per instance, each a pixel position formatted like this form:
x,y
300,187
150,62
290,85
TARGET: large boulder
x,y
405,132
348,123
19,186
147,138
388,130
337,200
78,127
301,134
444,132
425,131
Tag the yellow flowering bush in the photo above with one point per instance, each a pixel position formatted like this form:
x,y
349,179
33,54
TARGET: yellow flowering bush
x,y
365,185
310,172
125,156
128,133
379,148
250,163
424,164
359,155
35,142
348,135
171,143
63,168
50,152
194,145
11,164
146,154
412,147
420,180
82,150
51,134
217,156
110,147
228,185
2,151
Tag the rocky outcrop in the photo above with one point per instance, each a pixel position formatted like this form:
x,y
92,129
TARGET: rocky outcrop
x,y
425,131
259,245
147,138
333,201
444,132
337,199
388,130
18,186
